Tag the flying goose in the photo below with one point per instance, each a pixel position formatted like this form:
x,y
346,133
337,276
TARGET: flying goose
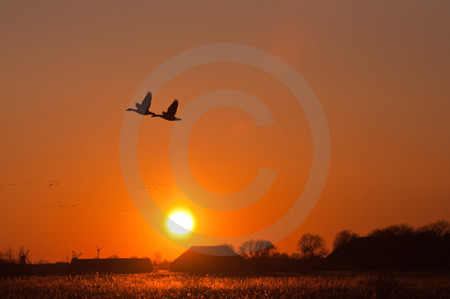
x,y
144,109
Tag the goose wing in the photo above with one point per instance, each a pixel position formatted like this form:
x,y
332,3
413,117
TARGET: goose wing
x,y
172,108
146,102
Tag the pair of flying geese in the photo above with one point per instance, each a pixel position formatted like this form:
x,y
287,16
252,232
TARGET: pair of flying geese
x,y
144,109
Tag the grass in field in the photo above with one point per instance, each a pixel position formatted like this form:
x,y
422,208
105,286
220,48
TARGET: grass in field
x,y
163,285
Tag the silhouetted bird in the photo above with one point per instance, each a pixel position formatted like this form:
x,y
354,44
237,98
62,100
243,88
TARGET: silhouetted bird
x,y
170,113
144,107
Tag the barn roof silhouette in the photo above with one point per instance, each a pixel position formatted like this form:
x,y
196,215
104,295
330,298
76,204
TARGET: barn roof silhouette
x,y
209,259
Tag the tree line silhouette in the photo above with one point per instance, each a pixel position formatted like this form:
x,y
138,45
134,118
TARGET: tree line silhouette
x,y
314,246
389,248
395,247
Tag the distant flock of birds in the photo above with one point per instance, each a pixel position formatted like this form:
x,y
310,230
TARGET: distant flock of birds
x,y
17,184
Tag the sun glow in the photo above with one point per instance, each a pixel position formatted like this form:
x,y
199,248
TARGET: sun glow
x,y
180,223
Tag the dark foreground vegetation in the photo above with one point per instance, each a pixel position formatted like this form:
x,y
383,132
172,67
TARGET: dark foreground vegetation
x,y
176,285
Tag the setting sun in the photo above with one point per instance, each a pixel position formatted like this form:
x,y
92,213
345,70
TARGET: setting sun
x,y
180,223
233,149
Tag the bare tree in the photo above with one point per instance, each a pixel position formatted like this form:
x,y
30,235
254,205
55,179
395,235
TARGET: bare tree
x,y
7,256
342,238
256,249
312,246
399,230
156,259
439,228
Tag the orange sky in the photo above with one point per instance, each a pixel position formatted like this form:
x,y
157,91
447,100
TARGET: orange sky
x,y
69,71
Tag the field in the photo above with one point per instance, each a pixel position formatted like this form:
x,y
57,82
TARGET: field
x,y
170,285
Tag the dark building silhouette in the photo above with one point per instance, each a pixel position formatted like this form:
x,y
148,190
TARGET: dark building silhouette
x,y
414,252
209,259
79,266
114,265
12,269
